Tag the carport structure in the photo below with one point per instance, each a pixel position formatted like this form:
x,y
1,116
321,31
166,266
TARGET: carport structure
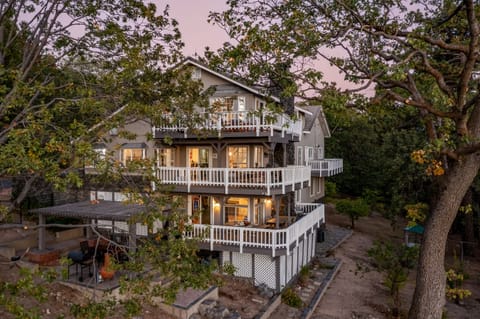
x,y
93,211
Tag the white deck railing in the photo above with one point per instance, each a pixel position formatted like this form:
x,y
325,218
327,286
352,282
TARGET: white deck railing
x,y
265,178
272,239
327,167
237,121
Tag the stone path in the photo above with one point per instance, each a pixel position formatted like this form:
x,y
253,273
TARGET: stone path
x,y
321,273
334,236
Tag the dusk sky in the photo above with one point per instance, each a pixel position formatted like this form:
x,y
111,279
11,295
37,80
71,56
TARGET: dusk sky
x,y
192,16
197,33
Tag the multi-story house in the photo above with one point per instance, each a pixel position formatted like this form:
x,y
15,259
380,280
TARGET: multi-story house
x,y
250,200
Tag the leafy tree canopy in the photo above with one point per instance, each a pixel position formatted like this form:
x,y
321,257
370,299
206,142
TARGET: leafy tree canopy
x,y
421,54
72,70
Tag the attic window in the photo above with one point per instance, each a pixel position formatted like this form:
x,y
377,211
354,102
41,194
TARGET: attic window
x,y
196,74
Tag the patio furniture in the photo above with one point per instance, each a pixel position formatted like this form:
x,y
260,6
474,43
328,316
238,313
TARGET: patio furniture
x,y
83,259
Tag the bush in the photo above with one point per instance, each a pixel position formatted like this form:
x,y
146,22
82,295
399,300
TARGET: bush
x,y
290,298
330,189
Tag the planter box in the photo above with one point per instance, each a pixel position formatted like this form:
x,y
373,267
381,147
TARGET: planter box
x,y
44,257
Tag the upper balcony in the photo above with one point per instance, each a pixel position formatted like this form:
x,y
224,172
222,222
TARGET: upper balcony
x,y
254,181
326,167
251,238
231,124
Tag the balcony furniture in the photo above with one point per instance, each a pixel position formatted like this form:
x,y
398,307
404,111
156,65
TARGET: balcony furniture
x,y
283,221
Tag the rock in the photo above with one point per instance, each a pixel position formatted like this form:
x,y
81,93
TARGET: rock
x,y
362,315
219,312
205,306
233,315
265,291
195,316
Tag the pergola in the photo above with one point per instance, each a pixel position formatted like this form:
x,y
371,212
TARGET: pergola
x,y
91,210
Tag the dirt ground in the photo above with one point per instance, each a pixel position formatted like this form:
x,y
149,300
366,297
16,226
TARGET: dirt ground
x,y
357,290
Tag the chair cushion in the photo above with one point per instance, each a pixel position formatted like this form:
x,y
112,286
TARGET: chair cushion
x,y
75,256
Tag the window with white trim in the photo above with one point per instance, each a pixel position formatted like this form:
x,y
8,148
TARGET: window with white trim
x,y
236,210
196,74
237,157
165,157
258,156
319,152
100,154
133,154
299,157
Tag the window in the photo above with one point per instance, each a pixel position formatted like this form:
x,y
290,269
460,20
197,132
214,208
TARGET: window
x,y
311,186
196,74
222,104
236,210
258,156
298,196
259,105
100,153
200,209
309,153
258,211
237,157
319,152
299,157
165,157
199,157
133,152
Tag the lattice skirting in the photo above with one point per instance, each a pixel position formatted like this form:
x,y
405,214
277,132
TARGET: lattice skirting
x,y
275,272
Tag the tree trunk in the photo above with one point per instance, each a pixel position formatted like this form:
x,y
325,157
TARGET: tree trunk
x,y
469,233
429,297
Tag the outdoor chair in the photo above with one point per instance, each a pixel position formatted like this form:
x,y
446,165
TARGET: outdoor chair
x,y
83,259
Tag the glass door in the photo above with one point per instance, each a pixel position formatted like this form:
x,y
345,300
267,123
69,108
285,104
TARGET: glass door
x,y
199,157
200,209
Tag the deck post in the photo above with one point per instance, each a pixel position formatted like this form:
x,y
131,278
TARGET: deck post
x,y
41,231
132,234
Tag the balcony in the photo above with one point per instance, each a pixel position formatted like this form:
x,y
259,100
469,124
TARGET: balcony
x,y
262,181
278,241
221,124
326,167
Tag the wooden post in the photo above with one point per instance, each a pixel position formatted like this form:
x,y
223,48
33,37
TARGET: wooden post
x,y
41,232
277,211
132,240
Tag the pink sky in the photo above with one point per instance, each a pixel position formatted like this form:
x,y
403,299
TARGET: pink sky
x,y
192,16
197,33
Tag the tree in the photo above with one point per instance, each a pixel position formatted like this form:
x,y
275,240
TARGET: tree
x,y
353,208
69,72
72,70
422,54
395,261
375,147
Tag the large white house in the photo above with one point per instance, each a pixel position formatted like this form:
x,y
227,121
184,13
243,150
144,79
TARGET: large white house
x,y
252,181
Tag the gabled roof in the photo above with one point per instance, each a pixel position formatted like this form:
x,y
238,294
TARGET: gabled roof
x,y
198,64
312,113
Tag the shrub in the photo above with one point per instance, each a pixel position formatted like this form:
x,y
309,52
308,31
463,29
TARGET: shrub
x,y
290,298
